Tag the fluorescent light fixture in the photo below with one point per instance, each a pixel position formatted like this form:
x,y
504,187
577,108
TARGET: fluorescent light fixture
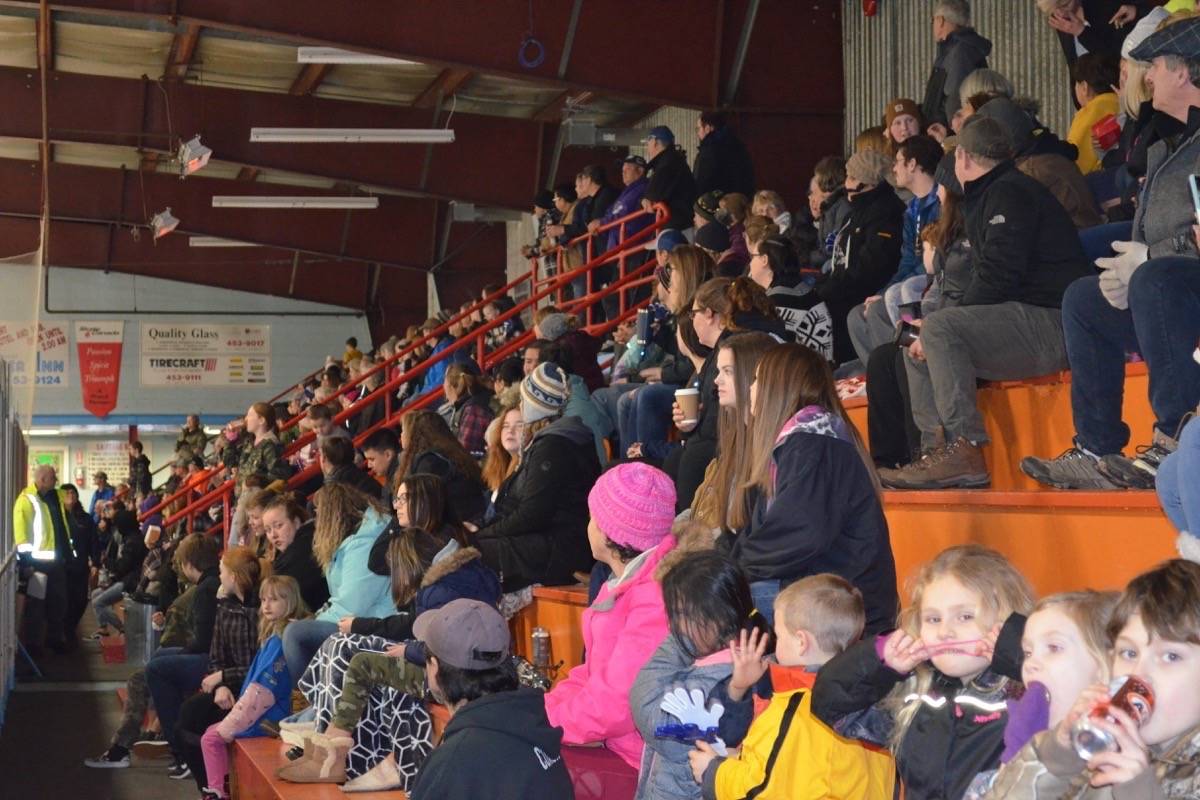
x,y
217,241
193,156
163,223
233,201
44,432
335,55
354,135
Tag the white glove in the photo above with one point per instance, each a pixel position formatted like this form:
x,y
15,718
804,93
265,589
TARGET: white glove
x,y
1130,256
1114,291
691,710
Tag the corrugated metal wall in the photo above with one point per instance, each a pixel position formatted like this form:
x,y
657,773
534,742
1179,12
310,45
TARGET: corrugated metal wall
x,y
681,121
890,55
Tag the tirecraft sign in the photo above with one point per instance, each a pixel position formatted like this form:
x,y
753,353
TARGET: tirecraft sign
x,y
186,354
98,345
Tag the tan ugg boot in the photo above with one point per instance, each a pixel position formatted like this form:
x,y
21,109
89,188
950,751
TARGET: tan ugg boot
x,y
383,777
324,761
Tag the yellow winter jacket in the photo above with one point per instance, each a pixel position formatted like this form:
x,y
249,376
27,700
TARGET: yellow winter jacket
x,y
33,528
1080,135
789,754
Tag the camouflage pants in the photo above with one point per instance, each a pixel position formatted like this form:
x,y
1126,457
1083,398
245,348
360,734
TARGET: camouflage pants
x,y
367,671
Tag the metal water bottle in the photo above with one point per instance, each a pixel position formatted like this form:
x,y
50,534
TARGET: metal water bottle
x,y
541,648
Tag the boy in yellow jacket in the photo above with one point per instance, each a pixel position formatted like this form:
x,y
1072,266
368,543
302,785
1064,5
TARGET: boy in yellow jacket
x,y
787,752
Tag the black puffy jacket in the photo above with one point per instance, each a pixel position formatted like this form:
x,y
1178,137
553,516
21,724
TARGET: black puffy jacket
x,y
671,182
540,534
723,163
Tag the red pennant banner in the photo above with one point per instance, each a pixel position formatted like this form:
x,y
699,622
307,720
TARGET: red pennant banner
x,y
99,348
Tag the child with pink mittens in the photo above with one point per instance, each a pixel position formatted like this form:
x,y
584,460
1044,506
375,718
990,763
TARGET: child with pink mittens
x,y
267,690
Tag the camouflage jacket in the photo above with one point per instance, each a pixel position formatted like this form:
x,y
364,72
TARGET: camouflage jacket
x,y
264,458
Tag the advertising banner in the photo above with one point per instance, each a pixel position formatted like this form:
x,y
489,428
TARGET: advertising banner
x,y
207,356
44,360
98,345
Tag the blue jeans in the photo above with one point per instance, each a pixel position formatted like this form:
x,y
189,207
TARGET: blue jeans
x,y
103,601
1097,241
1162,323
606,399
172,677
301,641
764,594
1178,487
645,416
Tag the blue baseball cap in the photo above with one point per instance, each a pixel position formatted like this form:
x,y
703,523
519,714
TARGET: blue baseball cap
x,y
662,133
667,240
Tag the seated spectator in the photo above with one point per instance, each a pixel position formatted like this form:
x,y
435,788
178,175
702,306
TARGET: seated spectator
x,y
155,567
866,252
472,407
381,451
873,138
708,605
632,508
811,501
1047,159
816,618
581,347
713,238
1146,300
1095,78
737,361
735,208
507,330
670,180
435,372
1178,495
770,204
504,442
720,308
722,161
496,726
337,466
430,565
775,266
290,534
1025,255
539,533
234,645
508,373
348,523
874,322
579,400
960,51
266,692
352,352
901,122
530,358
176,624
894,437
368,414
829,206
125,570
430,448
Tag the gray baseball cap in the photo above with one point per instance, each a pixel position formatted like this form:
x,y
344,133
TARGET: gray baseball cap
x,y
466,634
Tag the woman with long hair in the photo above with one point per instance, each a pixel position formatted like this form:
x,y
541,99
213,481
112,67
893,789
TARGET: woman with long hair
x,y
348,523
430,447
262,452
472,409
721,308
503,443
811,502
428,563
289,532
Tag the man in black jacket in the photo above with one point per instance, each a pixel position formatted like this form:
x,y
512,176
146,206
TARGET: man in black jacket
x,y
1025,252
498,743
139,469
671,180
722,163
960,51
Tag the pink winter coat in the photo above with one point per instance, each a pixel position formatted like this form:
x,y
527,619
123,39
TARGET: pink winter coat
x,y
621,630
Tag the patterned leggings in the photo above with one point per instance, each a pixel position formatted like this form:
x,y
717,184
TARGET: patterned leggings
x,y
393,721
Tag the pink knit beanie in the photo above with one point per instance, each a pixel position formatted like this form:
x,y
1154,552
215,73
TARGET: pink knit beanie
x,y
634,505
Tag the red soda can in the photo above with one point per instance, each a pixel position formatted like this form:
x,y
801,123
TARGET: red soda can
x,y
1107,132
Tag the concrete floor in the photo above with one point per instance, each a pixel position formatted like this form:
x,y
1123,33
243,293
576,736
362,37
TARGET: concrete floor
x,y
52,724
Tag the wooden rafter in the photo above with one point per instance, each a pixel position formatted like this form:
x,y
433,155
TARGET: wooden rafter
x,y
309,79
448,82
183,48
553,111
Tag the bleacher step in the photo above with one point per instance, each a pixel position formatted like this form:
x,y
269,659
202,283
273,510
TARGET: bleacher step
x,y
253,777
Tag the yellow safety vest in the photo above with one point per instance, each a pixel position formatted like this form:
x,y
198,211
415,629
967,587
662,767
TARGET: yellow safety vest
x,y
32,526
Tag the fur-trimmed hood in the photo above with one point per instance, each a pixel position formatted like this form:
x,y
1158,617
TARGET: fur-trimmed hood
x,y
443,566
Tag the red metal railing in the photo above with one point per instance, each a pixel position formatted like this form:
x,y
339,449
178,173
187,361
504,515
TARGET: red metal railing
x,y
628,246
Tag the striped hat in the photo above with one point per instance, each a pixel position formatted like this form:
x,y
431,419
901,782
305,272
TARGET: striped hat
x,y
544,392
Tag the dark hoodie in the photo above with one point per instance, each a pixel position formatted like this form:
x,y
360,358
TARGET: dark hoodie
x,y
499,747
960,54
204,612
540,533
298,562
